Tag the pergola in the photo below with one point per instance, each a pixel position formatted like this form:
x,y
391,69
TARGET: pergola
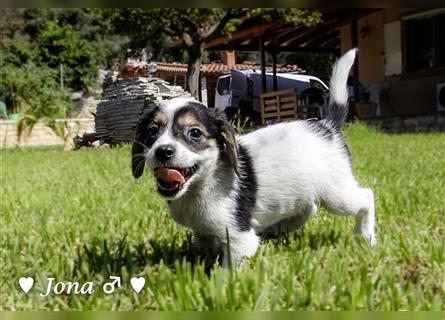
x,y
276,36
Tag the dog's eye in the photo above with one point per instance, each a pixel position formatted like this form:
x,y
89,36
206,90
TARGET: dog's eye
x,y
153,130
195,133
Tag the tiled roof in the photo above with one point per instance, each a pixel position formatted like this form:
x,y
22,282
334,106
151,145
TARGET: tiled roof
x,y
220,68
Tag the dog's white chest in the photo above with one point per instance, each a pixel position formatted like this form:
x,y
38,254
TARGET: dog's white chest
x,y
208,216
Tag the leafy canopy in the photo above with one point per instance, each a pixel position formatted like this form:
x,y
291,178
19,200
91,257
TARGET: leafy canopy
x,y
194,25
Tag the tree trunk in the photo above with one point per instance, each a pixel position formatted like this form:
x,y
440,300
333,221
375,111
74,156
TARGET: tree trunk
x,y
193,68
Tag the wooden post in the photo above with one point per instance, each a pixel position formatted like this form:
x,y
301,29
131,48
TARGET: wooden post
x,y
274,59
263,65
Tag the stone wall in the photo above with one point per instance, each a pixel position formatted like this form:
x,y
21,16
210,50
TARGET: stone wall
x,y
424,123
41,135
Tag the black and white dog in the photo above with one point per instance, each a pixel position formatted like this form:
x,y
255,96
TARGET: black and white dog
x,y
229,189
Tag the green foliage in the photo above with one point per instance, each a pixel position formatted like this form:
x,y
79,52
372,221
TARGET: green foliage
x,y
79,228
196,26
38,45
80,40
289,15
34,92
34,89
86,24
316,64
61,46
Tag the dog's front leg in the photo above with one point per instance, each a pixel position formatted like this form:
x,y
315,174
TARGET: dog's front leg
x,y
208,246
237,245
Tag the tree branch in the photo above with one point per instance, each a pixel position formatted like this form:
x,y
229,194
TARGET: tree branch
x,y
187,38
169,31
216,29
190,23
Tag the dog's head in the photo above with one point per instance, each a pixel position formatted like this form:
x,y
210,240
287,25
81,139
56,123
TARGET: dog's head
x,y
183,142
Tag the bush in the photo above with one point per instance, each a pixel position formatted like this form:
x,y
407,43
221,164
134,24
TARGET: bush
x,y
34,92
31,88
61,45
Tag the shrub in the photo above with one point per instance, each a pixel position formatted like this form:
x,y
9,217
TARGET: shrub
x,y
61,45
34,92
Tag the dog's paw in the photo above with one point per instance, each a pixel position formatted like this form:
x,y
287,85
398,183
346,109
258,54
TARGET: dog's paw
x,y
369,238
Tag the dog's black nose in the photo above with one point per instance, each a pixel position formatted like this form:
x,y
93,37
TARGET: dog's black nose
x,y
163,153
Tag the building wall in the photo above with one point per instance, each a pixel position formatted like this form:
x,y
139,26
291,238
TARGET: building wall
x,y
370,48
410,93
41,135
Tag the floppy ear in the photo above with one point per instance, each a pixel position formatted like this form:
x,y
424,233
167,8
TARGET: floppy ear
x,y
137,160
139,148
229,141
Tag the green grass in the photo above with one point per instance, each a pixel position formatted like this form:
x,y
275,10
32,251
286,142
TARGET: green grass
x,y
81,216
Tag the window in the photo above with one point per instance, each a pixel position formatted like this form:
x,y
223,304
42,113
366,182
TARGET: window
x,y
223,86
424,43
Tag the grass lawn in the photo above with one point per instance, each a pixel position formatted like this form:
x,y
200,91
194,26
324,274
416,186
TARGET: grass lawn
x,y
80,216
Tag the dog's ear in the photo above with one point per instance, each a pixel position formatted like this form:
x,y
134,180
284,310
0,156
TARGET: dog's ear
x,y
230,144
139,148
137,159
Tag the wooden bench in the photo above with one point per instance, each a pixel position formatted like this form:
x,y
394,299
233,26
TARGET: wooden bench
x,y
285,105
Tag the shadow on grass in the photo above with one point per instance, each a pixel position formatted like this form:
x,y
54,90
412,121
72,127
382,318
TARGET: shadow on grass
x,y
305,240
101,257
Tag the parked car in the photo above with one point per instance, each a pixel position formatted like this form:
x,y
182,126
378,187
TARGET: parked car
x,y
241,89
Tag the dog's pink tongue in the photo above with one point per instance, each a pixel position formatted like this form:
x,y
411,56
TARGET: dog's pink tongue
x,y
169,175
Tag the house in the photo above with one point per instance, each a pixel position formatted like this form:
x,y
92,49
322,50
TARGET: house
x,y
176,73
401,52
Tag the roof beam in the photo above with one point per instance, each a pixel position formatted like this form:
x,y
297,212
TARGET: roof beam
x,y
250,32
288,37
320,39
316,31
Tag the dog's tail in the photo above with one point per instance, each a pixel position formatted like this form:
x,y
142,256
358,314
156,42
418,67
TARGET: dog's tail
x,y
338,102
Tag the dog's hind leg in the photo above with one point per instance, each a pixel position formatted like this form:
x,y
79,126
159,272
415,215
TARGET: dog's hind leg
x,y
289,224
354,201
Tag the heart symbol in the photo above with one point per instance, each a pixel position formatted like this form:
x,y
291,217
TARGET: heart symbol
x,y
26,283
137,283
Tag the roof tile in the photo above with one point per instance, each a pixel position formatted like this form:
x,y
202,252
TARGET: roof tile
x,y
220,68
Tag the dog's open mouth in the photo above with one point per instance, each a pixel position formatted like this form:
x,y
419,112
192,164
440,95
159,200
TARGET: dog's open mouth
x,y
171,180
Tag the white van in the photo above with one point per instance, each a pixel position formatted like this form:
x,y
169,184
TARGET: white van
x,y
245,86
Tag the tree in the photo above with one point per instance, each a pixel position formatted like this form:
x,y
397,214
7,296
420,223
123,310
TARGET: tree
x,y
61,46
34,43
194,27
316,64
